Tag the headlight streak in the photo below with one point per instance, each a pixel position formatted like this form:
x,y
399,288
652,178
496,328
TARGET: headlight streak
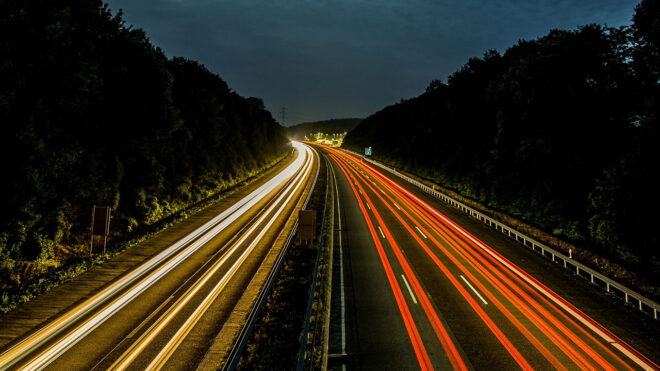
x,y
159,361
178,252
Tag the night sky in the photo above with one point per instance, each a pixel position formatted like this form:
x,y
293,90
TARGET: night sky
x,y
349,58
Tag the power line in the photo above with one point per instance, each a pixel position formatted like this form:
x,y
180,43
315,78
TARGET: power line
x,y
283,115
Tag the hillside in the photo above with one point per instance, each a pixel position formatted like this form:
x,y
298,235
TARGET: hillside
x,y
562,132
93,113
328,127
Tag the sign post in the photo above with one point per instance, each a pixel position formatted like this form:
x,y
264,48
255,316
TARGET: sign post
x,y
100,225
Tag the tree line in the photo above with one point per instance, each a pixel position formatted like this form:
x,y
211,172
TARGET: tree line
x,y
562,132
91,112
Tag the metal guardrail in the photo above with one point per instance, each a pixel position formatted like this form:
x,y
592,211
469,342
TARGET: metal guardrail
x,y
310,303
644,304
239,345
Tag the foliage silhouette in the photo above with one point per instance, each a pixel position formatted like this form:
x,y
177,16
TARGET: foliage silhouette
x,y
92,113
561,132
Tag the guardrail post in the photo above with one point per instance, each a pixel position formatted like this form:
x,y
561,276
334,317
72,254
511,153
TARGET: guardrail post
x,y
506,230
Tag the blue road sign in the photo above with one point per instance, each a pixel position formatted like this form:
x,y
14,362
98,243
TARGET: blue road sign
x,y
367,151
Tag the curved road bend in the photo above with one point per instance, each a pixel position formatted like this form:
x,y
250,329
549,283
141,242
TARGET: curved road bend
x,y
420,291
165,312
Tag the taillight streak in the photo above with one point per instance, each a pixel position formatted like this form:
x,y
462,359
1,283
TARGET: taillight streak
x,y
520,276
411,328
475,306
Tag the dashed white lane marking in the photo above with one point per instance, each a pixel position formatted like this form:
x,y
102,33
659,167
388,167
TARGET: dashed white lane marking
x,y
397,206
475,291
381,232
420,232
409,290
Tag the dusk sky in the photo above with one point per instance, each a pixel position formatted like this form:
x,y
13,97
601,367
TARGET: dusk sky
x,y
339,58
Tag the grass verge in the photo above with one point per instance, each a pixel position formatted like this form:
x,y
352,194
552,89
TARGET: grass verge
x,y
38,279
275,340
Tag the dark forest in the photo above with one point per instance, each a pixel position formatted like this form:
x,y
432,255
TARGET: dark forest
x,y
562,132
91,112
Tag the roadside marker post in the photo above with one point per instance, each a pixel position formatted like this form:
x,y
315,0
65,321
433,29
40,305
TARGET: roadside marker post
x,y
100,225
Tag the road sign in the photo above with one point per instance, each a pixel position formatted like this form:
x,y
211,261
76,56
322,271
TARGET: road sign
x,y
367,151
306,226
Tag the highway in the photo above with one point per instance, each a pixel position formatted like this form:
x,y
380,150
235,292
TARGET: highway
x,y
166,311
417,290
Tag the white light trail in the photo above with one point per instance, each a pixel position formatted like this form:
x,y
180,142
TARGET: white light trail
x,y
177,252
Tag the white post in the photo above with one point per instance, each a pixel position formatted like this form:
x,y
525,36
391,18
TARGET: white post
x,y
570,253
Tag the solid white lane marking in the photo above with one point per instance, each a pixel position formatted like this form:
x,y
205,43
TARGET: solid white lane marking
x,y
177,252
584,319
409,290
192,320
381,232
420,232
341,274
475,291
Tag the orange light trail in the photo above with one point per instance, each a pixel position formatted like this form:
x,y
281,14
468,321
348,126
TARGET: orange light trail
x,y
413,333
538,304
475,306
441,332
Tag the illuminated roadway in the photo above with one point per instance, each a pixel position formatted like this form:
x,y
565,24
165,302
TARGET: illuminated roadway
x,y
166,311
420,291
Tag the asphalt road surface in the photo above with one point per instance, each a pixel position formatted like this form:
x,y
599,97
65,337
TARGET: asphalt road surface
x,y
413,289
166,311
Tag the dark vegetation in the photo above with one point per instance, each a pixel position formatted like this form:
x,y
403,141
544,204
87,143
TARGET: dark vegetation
x,y
92,113
562,132
274,343
328,127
